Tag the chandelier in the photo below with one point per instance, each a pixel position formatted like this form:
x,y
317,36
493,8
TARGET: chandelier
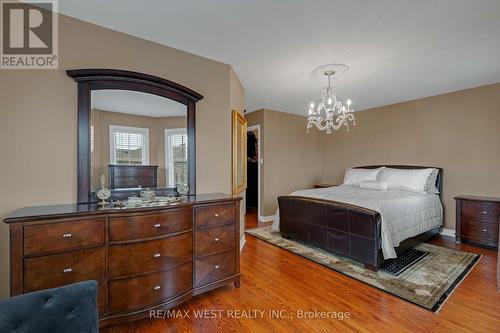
x,y
330,114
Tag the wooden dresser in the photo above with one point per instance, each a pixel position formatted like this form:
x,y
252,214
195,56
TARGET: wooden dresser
x,y
143,258
477,220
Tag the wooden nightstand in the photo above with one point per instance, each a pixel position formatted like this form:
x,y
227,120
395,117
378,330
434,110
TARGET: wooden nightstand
x,y
323,185
477,220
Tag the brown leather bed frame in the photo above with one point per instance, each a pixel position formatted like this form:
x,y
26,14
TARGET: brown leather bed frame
x,y
341,228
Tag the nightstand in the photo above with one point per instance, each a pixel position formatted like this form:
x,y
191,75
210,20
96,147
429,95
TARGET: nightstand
x,y
477,220
323,185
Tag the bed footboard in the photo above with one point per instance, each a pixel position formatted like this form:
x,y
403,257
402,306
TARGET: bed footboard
x,y
340,228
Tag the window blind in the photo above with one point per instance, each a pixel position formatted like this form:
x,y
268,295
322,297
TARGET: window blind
x,y
177,166
129,145
92,138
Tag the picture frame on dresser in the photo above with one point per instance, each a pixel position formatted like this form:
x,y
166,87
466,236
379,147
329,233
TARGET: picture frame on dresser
x,y
477,220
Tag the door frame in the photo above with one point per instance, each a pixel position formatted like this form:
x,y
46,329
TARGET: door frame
x,y
259,165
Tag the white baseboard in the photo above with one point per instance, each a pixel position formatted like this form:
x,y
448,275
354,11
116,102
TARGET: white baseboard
x,y
242,242
266,218
448,232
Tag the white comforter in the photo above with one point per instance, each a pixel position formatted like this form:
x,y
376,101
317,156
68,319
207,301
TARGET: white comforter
x,y
403,214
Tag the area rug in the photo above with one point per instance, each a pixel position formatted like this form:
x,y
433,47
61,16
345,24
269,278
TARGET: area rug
x,y
427,282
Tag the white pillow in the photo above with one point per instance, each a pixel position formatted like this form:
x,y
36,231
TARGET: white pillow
x,y
431,182
372,185
356,176
414,180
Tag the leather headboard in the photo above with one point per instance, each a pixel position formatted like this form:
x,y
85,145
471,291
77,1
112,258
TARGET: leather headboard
x,y
439,179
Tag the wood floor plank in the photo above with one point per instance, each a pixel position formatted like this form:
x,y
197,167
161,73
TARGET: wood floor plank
x,y
275,279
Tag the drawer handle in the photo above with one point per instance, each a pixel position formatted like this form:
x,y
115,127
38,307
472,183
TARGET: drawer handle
x,y
216,215
216,266
156,255
484,212
67,270
216,240
157,225
156,287
68,235
485,230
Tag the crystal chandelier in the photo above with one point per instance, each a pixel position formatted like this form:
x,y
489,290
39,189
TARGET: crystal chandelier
x,y
330,113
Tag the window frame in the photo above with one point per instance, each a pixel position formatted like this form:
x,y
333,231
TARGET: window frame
x,y
169,132
132,130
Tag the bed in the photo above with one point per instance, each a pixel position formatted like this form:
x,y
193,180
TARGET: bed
x,y
365,225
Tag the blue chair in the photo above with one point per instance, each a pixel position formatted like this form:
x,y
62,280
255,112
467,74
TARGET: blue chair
x,y
68,309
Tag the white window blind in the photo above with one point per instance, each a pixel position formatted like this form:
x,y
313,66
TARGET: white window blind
x,y
129,145
176,156
92,138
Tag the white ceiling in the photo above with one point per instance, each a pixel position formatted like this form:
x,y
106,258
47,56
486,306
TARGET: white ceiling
x,y
136,103
397,50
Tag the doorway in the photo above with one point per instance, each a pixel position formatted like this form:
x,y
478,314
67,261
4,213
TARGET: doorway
x,y
252,196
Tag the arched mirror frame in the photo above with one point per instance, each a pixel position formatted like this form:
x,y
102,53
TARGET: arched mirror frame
x,y
100,79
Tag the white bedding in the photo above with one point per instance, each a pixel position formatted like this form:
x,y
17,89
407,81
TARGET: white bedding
x,y
403,214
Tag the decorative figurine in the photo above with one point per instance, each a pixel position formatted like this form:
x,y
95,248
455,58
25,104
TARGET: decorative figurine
x,y
182,189
103,193
148,195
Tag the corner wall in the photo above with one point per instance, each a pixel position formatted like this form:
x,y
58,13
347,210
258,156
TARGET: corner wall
x,y
237,101
292,157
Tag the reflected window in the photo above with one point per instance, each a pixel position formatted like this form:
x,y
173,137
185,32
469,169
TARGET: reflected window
x,y
92,138
176,156
129,145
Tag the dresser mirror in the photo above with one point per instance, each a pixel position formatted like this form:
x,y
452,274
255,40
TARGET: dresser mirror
x,y
135,129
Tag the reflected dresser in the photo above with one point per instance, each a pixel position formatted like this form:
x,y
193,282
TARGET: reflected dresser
x,y
477,220
143,258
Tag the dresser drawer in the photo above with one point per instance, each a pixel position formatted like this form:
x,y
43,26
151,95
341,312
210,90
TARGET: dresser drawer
x,y
217,239
211,215
60,269
63,236
139,292
215,267
479,230
480,210
150,225
101,297
152,256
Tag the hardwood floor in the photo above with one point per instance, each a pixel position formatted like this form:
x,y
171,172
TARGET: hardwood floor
x,y
275,279
252,221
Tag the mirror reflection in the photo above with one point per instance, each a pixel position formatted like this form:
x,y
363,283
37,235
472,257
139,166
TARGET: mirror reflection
x,y
137,140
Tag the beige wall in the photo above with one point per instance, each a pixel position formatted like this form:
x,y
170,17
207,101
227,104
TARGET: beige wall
x,y
156,126
292,158
38,117
459,132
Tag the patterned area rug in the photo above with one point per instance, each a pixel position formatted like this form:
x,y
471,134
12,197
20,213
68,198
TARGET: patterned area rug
x,y
427,282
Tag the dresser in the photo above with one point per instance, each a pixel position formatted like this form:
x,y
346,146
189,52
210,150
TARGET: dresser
x,y
477,220
143,258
